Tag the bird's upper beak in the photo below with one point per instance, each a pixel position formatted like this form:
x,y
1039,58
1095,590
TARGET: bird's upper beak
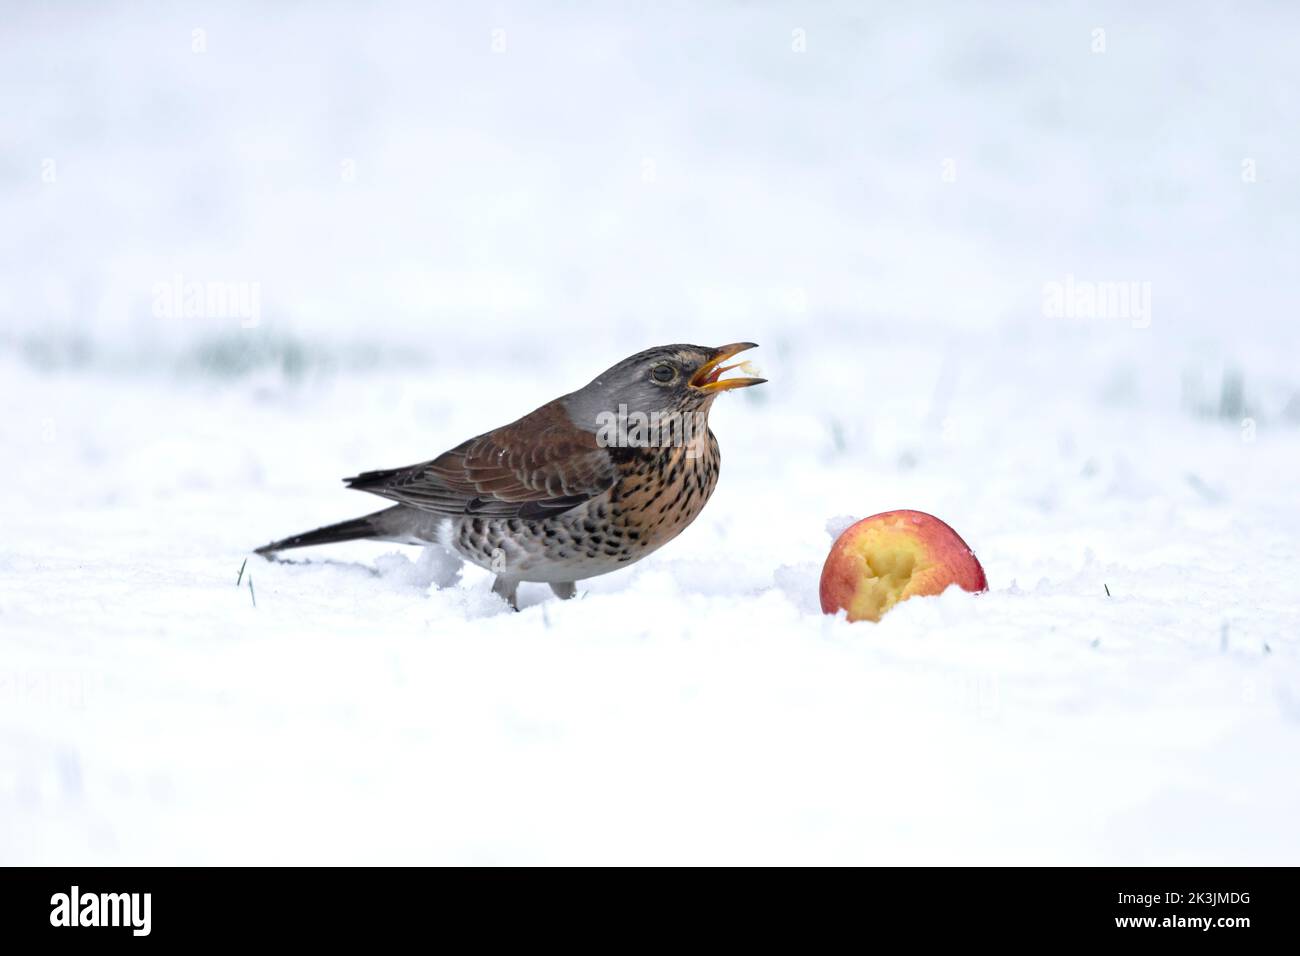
x,y
707,376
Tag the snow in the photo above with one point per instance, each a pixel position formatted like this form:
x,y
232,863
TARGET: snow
x,y
519,221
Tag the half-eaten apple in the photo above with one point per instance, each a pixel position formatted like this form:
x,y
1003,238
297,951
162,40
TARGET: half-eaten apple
x,y
891,557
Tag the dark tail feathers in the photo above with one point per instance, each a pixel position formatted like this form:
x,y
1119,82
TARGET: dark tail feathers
x,y
331,533
373,479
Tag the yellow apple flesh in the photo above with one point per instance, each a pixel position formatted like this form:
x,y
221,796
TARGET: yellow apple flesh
x,y
891,557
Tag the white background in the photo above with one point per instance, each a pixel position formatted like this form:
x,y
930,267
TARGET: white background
x,y
447,226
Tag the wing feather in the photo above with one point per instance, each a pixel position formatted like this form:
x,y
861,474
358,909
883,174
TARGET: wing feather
x,y
538,466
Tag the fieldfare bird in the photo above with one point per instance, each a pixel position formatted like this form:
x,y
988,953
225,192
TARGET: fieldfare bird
x,y
584,485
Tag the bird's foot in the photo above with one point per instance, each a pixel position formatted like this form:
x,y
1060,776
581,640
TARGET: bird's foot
x,y
564,589
507,589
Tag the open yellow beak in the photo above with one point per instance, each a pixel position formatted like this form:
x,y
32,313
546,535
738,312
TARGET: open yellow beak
x,y
708,377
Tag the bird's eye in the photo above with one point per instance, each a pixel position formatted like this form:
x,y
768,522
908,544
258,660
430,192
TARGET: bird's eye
x,y
663,374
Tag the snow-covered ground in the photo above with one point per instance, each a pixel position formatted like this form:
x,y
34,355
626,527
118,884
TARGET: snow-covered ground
x,y
449,217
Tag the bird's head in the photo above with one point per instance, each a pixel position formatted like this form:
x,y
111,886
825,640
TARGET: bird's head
x,y
667,379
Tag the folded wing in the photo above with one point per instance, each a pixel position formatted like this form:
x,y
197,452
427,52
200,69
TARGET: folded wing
x,y
540,465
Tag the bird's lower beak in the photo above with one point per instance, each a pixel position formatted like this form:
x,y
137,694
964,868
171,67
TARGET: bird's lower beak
x,y
707,376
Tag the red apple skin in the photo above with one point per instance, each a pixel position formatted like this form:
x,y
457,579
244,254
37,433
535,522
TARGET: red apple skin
x,y
891,557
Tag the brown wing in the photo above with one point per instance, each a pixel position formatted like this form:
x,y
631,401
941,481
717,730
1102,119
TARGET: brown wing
x,y
538,466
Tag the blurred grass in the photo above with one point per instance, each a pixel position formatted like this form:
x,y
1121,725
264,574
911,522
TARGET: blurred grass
x,y
228,355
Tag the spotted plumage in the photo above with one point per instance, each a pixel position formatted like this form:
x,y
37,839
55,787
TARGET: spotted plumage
x,y
584,485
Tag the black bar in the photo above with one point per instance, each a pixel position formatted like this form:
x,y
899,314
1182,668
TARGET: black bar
x,y
1227,907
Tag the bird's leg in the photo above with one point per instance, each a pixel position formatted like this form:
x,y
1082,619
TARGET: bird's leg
x,y
564,589
507,589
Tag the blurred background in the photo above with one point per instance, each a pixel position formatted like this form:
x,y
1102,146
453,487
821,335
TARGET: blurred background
x,y
426,183
1028,266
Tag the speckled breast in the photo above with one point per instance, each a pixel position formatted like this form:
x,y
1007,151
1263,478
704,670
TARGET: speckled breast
x,y
659,492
